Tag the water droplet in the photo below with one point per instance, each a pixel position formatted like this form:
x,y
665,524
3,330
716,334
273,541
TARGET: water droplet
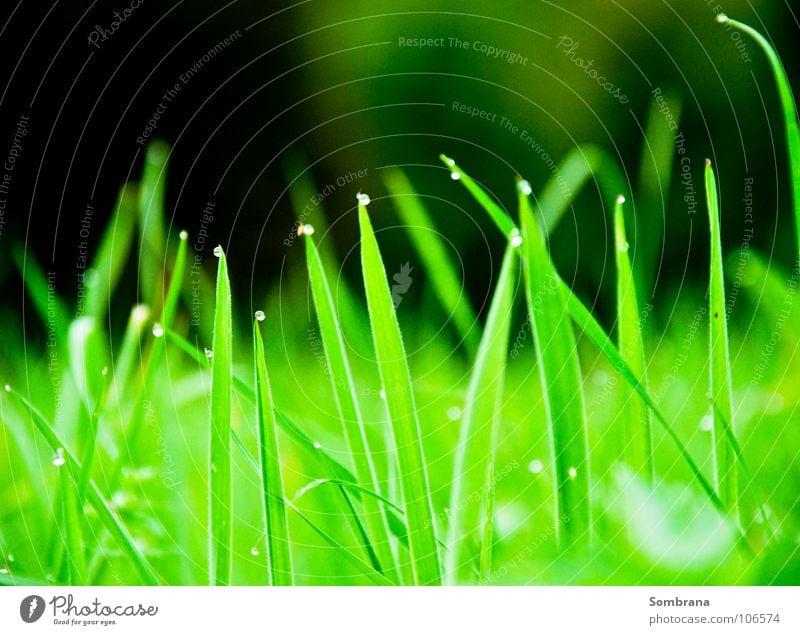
x,y
572,472
209,353
363,199
600,378
524,187
306,230
450,162
620,199
10,557
515,238
8,388
91,278
317,445
456,176
535,466
707,423
158,330
454,413
140,314
254,551
4,570
382,394
722,18
218,251
184,235
624,246
104,372
58,459
260,316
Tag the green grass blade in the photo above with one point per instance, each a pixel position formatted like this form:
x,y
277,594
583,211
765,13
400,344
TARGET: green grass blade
x,y
560,375
112,254
433,252
583,163
72,520
278,545
487,542
397,386
151,222
479,422
496,213
349,412
219,464
720,376
789,112
107,516
634,414
655,179
353,486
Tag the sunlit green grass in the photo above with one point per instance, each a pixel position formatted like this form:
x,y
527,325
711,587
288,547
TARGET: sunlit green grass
x,y
348,439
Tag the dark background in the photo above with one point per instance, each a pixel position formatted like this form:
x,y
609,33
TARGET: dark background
x,y
326,82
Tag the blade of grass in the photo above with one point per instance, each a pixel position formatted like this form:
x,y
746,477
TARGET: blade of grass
x,y
220,518
278,545
432,251
107,516
112,254
720,373
349,412
560,375
41,287
634,414
397,386
152,249
788,107
478,434
496,213
72,521
487,542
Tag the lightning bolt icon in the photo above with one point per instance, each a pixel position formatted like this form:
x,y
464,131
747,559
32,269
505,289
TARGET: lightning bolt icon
x,y
32,607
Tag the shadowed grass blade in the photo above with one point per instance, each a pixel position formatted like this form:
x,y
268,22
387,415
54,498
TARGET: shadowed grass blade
x,y
720,375
634,414
397,386
41,287
655,178
560,375
789,112
496,213
278,550
349,412
579,166
112,254
432,251
475,451
152,249
219,464
107,516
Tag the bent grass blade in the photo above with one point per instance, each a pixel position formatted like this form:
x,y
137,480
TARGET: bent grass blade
x,y
431,248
